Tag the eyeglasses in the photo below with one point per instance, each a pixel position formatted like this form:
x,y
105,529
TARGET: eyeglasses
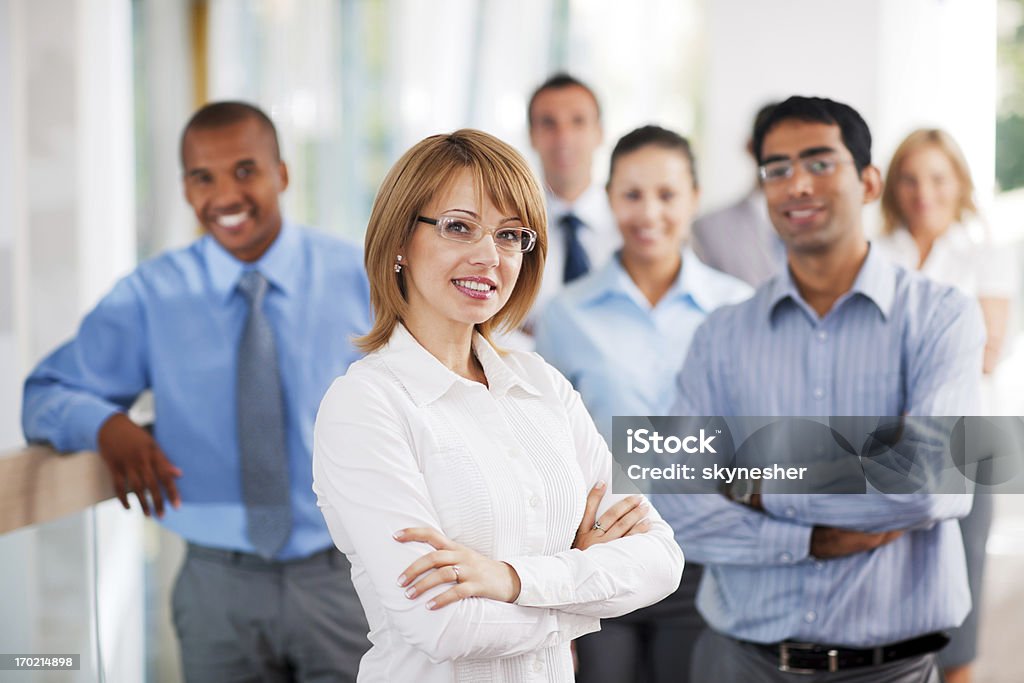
x,y
467,231
782,169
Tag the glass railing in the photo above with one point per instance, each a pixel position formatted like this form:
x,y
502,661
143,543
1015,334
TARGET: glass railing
x,y
91,586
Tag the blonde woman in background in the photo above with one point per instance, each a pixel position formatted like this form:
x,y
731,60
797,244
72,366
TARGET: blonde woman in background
x,y
463,482
931,223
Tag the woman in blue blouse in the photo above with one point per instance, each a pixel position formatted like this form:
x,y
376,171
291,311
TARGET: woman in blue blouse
x,y
620,335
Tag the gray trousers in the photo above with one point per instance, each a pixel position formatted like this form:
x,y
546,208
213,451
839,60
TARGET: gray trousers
x,y
651,645
963,644
241,619
720,659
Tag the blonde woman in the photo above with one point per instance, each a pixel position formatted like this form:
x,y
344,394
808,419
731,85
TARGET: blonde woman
x,y
931,223
466,484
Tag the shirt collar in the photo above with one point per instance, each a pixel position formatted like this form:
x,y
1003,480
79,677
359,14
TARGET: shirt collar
x,y
427,379
280,265
695,282
692,282
876,282
958,235
589,207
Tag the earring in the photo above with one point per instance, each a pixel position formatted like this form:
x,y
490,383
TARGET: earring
x,y
398,263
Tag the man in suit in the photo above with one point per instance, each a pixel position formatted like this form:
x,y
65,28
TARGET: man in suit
x,y
565,130
739,239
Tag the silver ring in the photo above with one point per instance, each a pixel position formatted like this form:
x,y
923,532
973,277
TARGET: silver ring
x,y
456,568
598,527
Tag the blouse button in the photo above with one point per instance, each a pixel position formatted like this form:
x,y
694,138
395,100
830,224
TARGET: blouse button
x,y
534,501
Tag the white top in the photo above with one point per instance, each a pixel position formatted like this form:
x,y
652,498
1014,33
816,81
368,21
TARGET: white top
x,y
962,256
401,441
600,237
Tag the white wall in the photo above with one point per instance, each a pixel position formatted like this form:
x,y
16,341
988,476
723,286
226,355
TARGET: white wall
x,y
937,68
901,64
11,362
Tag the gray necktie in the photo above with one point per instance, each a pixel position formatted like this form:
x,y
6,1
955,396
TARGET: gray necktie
x,y
261,431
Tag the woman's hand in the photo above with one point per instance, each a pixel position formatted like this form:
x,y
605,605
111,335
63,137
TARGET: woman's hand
x,y
625,518
473,574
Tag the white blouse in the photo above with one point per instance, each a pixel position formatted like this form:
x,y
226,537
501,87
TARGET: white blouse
x,y
962,257
402,441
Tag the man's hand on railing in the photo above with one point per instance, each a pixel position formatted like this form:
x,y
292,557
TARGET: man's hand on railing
x,y
137,463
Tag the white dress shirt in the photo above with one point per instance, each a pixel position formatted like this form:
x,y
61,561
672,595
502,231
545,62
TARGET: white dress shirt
x,y
402,441
599,235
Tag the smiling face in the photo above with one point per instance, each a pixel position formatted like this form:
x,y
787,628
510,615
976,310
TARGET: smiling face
x,y
452,286
652,195
232,180
816,213
929,193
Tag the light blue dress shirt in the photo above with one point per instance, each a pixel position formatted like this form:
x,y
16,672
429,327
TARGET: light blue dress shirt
x,y
174,326
621,353
895,344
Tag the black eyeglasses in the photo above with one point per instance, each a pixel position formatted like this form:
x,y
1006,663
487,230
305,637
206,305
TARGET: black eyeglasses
x,y
458,229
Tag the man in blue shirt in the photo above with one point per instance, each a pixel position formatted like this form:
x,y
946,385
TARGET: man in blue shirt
x,y
859,586
238,336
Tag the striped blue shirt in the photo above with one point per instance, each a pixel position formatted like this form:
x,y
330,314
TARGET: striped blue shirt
x,y
621,353
895,344
173,326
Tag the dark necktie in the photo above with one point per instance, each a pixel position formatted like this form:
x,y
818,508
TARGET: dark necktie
x,y
576,261
261,429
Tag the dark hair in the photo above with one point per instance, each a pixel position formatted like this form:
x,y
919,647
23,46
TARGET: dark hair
x,y
653,136
761,116
219,114
557,82
854,130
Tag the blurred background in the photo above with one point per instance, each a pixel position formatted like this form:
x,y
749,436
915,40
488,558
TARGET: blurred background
x,y
94,93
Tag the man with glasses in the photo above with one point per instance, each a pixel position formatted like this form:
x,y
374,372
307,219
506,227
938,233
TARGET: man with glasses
x,y
838,587
565,130
238,336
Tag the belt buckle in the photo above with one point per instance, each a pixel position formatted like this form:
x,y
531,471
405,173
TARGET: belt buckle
x,y
784,649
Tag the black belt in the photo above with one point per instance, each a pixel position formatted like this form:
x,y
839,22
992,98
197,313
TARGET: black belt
x,y
809,658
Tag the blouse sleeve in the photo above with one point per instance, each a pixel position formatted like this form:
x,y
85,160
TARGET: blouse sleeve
x,y
608,579
369,485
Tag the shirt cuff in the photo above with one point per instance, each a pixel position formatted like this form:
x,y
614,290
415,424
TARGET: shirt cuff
x,y
545,581
82,422
786,542
572,626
